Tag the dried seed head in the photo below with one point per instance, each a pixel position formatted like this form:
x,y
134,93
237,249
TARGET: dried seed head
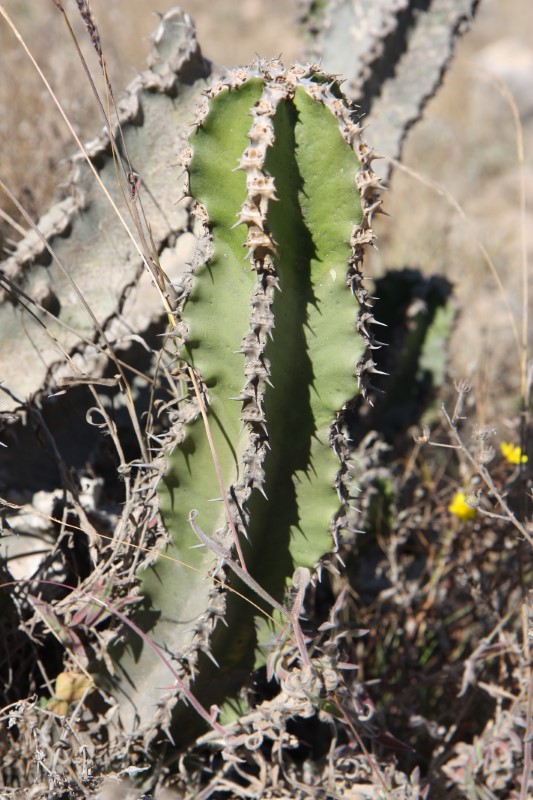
x,y
484,432
90,24
424,436
486,454
463,386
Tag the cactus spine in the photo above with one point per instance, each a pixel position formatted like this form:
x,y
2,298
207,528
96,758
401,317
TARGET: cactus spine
x,y
271,337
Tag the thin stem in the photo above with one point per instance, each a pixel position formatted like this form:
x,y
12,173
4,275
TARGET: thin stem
x,y
218,471
246,578
86,156
506,94
528,733
443,192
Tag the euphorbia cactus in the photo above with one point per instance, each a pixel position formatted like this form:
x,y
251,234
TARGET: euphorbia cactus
x,y
269,327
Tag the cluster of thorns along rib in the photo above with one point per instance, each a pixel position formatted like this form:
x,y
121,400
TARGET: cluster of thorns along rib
x,y
280,84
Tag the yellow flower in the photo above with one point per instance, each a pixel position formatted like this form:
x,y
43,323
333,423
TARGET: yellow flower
x,y
513,453
460,507
70,686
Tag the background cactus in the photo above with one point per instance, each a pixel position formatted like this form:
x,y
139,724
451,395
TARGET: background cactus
x,y
269,327
392,54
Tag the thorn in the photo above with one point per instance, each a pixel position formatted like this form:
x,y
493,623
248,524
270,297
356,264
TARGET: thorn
x,y
357,510
260,488
211,657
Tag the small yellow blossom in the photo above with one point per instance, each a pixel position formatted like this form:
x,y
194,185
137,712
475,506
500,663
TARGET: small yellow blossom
x,y
70,687
513,453
460,507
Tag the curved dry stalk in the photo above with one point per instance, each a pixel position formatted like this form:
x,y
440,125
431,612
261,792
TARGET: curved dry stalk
x,y
210,718
454,203
86,156
507,95
149,551
131,195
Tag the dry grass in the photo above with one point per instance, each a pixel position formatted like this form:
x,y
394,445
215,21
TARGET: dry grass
x,y
35,143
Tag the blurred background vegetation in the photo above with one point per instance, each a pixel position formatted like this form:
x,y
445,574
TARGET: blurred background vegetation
x,y
466,143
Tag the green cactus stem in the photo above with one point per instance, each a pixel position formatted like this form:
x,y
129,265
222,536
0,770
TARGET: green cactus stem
x,y
270,326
